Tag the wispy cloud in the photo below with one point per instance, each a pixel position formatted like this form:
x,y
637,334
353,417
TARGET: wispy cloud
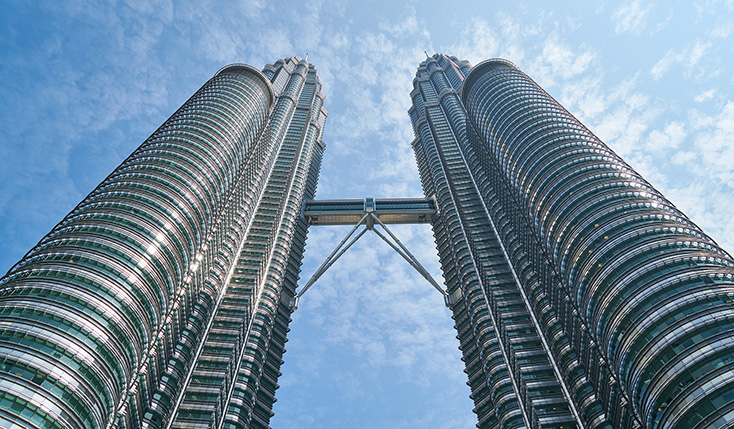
x,y
627,120
705,95
709,204
688,58
563,61
669,138
478,42
715,143
631,17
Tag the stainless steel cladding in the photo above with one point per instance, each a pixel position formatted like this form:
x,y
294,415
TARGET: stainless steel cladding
x,y
109,320
587,298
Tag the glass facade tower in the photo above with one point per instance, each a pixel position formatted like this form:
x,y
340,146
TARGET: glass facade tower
x,y
162,299
581,296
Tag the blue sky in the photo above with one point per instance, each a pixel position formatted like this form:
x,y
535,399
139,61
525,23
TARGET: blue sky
x,y
83,83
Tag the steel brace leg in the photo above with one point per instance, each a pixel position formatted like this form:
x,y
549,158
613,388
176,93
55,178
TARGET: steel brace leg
x,y
368,220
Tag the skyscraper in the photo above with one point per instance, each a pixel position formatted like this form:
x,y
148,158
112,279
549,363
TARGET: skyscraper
x,y
162,299
581,296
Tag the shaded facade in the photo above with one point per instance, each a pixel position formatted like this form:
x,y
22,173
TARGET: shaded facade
x,y
581,296
161,299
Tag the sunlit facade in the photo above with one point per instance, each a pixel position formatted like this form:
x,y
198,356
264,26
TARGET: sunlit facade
x,y
162,299
581,296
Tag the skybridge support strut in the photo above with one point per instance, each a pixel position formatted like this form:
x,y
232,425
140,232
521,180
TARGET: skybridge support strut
x,y
338,212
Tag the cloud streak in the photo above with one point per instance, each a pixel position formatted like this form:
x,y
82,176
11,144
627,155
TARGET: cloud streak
x,y
631,17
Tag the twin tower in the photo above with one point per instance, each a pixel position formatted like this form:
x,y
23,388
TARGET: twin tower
x,y
581,296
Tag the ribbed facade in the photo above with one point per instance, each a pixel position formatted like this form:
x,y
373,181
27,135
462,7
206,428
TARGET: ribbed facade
x,y
582,297
162,299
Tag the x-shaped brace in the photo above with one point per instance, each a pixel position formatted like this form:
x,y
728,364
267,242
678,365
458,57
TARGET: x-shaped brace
x,y
369,220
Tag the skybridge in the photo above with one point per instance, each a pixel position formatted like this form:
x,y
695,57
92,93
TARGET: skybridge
x,y
369,213
387,210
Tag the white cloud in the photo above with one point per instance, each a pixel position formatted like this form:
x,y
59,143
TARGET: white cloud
x,y
722,31
631,17
701,181
716,16
477,43
689,58
715,142
709,205
558,62
563,61
660,26
662,66
402,28
626,120
683,157
669,138
389,317
705,96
